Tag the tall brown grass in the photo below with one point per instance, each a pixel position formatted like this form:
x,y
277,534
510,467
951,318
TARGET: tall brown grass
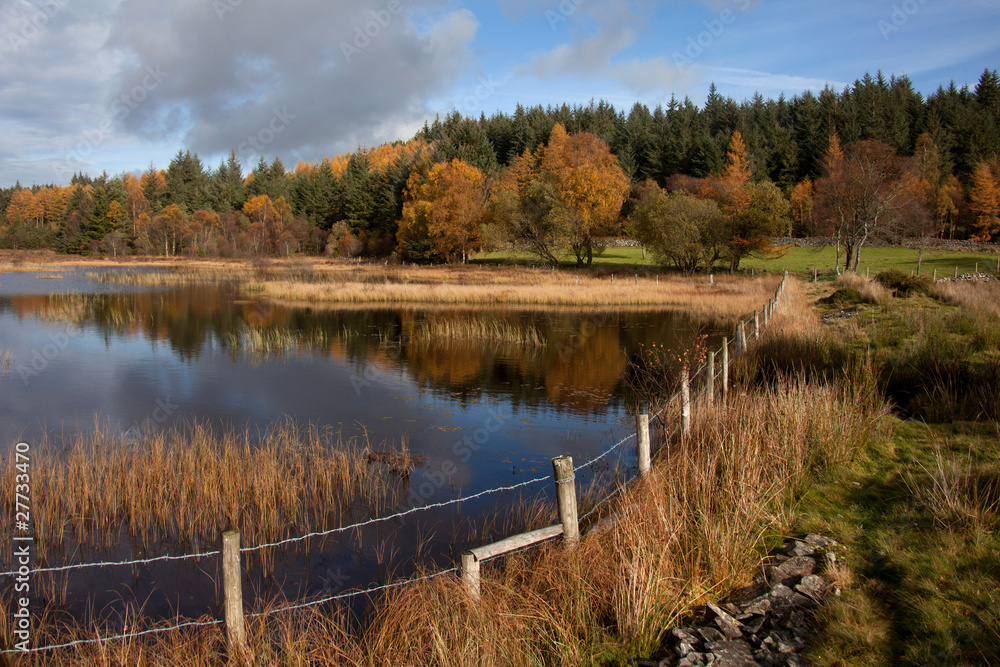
x,y
961,496
187,484
689,532
500,332
871,291
325,281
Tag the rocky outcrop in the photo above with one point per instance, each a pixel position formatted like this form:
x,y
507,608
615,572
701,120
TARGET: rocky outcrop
x,y
766,623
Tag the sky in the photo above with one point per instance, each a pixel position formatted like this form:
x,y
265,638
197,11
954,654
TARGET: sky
x,y
117,85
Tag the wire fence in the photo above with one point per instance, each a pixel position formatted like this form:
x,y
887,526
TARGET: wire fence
x,y
677,396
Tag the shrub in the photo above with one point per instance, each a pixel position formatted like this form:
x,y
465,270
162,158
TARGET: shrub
x,y
902,284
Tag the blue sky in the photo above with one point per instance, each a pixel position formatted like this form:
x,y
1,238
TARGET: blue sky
x,y
113,85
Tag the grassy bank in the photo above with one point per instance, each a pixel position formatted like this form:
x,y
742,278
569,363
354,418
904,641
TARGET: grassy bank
x,y
920,519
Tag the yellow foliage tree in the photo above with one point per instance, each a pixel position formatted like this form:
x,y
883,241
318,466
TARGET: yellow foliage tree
x,y
590,184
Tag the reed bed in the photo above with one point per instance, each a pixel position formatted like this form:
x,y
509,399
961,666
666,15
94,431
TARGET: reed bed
x,y
6,361
500,332
723,300
187,484
265,341
346,283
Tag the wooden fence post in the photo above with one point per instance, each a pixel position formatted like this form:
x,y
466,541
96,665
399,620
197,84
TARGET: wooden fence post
x,y
642,439
470,574
562,466
741,338
685,403
725,370
710,380
756,326
232,587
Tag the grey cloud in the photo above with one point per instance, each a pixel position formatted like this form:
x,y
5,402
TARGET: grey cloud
x,y
597,32
333,71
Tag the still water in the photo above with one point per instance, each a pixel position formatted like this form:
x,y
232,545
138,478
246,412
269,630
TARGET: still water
x,y
84,348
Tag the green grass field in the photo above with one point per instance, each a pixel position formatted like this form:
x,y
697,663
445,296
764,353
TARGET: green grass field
x,y
799,261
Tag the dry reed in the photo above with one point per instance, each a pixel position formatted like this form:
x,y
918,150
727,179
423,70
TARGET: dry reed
x,y
188,484
871,291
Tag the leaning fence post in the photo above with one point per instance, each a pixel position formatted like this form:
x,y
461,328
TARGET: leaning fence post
x,y
232,586
685,403
642,438
562,466
470,574
710,380
725,370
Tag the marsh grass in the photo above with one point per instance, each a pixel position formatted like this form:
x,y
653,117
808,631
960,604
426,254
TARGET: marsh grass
x,y
185,485
324,281
479,330
959,494
262,341
6,361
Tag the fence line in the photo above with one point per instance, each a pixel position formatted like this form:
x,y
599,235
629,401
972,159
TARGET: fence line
x,y
566,488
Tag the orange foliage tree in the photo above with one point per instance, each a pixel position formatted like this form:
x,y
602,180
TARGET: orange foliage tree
x,y
443,206
984,202
590,184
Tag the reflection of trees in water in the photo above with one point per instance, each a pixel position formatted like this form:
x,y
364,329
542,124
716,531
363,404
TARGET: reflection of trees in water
x,y
577,360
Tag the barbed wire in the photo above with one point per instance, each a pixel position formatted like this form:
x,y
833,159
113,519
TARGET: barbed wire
x,y
114,638
140,561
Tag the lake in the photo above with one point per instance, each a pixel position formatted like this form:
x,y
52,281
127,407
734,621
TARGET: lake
x,y
482,397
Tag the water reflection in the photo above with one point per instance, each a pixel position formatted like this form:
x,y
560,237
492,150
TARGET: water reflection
x,y
551,380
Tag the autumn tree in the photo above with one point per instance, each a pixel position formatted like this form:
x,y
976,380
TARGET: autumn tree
x,y
859,191
590,184
680,228
947,204
984,202
756,224
165,229
443,206
529,212
801,206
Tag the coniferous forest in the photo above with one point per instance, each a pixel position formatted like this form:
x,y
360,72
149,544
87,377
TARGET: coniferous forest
x,y
700,186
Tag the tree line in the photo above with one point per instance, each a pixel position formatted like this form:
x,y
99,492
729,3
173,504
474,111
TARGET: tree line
x,y
700,186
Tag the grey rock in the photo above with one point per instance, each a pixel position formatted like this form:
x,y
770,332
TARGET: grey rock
x,y
735,653
754,624
830,557
792,570
820,541
710,634
692,660
749,594
684,648
729,626
796,548
813,587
